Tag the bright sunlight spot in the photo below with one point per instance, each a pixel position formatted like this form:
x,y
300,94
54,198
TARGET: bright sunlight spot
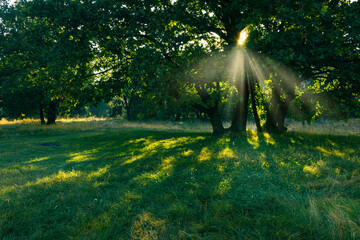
x,y
243,36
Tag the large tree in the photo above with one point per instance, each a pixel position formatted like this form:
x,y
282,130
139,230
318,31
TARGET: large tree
x,y
47,47
307,41
319,41
170,35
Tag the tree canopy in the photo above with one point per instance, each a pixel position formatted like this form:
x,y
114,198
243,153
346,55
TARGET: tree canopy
x,y
181,59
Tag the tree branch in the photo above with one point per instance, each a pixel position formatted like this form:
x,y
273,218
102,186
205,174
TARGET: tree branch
x,y
107,70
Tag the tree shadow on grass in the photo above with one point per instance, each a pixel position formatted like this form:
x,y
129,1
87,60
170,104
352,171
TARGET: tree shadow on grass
x,y
151,185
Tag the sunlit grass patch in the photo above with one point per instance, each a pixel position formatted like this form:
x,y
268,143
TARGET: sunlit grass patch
x,y
38,160
18,169
253,139
147,226
334,152
205,154
223,187
314,169
188,153
226,153
268,139
82,156
163,171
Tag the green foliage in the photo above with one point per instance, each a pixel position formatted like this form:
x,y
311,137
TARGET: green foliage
x,y
20,103
46,47
317,39
169,59
116,107
109,180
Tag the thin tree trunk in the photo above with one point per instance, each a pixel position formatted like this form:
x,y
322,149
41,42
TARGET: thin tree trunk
x,y
253,104
127,106
41,110
51,114
275,121
240,112
272,112
41,113
215,118
284,107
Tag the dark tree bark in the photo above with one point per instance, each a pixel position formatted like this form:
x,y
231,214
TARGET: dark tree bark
x,y
41,113
212,112
51,113
276,118
277,109
130,106
240,112
253,104
127,105
41,110
215,120
273,111
239,116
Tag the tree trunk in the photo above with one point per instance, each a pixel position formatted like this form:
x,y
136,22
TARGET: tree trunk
x,y
281,118
215,120
273,111
41,113
127,105
51,114
240,112
212,112
253,104
275,121
41,110
276,112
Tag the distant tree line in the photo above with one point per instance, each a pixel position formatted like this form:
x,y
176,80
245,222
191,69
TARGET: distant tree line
x,y
178,60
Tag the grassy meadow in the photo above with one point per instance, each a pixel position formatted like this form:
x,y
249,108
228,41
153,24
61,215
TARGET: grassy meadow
x,y
108,179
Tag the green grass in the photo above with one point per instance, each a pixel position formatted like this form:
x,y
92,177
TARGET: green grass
x,y
109,180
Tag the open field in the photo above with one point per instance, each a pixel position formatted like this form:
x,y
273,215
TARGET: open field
x,y
107,179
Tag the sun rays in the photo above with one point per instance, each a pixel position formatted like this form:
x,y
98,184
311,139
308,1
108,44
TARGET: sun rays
x,y
272,91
